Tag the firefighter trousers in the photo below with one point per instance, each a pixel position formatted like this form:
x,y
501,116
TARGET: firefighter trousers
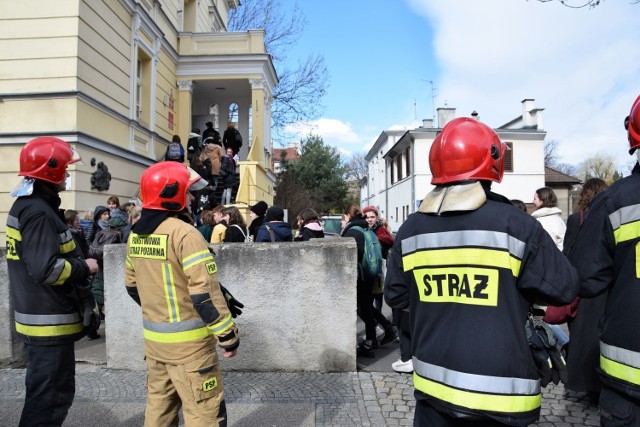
x,y
196,387
50,384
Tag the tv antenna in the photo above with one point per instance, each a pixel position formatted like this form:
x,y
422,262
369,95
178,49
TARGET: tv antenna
x,y
433,98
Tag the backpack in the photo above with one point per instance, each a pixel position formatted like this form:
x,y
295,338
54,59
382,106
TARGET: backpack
x,y
372,259
247,237
174,152
104,237
238,137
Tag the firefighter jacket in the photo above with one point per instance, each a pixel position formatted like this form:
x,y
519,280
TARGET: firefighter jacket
x,y
44,265
173,273
607,256
468,276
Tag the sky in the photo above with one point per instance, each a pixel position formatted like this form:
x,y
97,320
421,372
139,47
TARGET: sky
x,y
384,56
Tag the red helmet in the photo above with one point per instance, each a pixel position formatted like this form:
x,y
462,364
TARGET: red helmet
x,y
466,149
46,158
632,125
164,186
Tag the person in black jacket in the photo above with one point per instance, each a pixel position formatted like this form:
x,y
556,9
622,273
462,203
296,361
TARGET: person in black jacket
x,y
308,226
606,255
256,214
468,265
236,227
228,175
48,276
364,291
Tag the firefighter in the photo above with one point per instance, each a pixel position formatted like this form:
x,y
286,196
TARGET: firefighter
x,y
469,265
172,275
606,256
49,280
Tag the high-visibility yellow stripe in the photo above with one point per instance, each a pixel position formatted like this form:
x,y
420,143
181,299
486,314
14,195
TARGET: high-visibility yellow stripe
x,y
176,337
173,306
478,401
197,258
128,262
65,248
618,370
49,331
222,326
14,234
66,272
462,256
627,232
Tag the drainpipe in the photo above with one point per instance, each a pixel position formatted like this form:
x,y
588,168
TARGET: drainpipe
x,y
413,175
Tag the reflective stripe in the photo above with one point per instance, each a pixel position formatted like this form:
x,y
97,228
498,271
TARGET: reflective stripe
x,y
47,319
128,262
67,244
175,337
49,331
620,363
478,401
13,222
625,223
476,238
462,256
170,293
14,233
222,326
489,393
60,273
185,325
196,258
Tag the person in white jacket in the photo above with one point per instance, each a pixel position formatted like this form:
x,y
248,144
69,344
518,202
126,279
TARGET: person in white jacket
x,y
548,214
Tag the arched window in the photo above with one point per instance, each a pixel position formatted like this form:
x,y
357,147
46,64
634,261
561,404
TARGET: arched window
x,y
233,113
214,112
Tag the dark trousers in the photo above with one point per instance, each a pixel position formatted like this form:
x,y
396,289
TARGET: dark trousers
x,y
364,298
427,416
616,409
50,384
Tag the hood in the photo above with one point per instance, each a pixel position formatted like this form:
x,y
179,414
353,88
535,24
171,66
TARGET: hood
x,y
282,229
539,213
355,221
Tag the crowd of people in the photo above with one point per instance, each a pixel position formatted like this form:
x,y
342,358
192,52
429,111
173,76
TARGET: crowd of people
x,y
464,275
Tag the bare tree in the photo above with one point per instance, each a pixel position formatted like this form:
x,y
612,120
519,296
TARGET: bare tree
x,y
579,4
357,167
600,165
302,85
551,152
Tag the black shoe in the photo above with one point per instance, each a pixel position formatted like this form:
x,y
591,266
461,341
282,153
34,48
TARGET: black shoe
x,y
365,350
389,336
93,336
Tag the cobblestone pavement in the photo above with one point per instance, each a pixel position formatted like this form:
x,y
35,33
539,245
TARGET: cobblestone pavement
x,y
106,397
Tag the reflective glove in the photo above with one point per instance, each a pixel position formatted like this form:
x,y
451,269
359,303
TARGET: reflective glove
x,y
545,352
233,304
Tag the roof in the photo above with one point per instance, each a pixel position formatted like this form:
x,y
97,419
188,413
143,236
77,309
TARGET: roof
x,y
289,154
553,176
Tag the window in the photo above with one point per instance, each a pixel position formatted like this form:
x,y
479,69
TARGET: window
x,y
391,173
233,113
399,166
143,88
407,160
508,157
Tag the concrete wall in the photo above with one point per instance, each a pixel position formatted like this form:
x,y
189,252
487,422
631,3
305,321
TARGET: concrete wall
x,y
11,350
300,306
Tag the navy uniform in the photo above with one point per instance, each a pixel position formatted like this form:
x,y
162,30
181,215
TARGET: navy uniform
x,y
469,266
48,278
607,255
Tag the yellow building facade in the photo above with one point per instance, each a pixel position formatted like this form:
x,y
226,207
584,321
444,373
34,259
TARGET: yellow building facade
x,y
118,78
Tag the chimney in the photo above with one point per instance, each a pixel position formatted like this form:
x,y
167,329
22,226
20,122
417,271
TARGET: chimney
x,y
427,123
527,116
445,115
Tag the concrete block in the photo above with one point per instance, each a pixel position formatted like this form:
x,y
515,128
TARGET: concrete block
x,y
11,349
300,306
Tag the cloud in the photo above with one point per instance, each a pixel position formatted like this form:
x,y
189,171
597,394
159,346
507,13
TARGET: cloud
x,y
582,66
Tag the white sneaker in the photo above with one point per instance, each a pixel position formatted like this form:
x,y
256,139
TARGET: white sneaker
x,y
400,366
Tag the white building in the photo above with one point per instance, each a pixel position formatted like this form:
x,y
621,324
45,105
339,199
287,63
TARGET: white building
x,y
398,175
